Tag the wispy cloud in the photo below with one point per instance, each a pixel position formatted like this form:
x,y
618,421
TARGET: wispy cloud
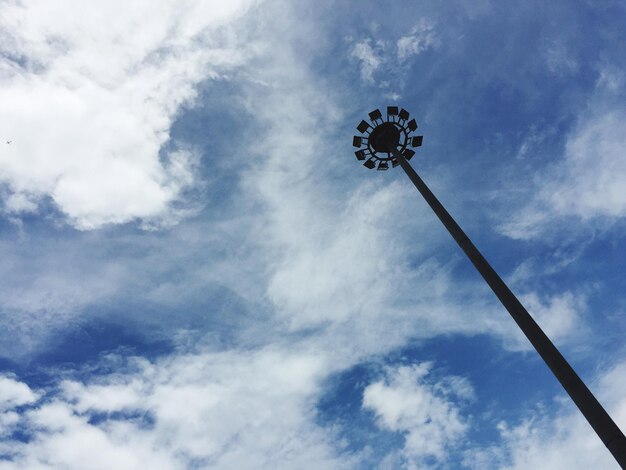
x,y
564,441
587,183
371,57
384,58
420,38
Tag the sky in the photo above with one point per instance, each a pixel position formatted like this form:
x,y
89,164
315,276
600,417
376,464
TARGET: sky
x,y
197,273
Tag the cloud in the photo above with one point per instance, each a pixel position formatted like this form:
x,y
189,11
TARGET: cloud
x,y
389,58
341,265
594,170
14,393
418,40
586,184
46,285
427,414
333,272
342,261
235,409
370,57
559,315
561,441
88,99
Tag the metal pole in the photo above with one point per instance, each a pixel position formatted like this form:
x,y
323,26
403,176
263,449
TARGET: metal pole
x,y
589,406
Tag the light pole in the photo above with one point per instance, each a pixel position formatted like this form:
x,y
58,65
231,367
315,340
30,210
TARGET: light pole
x,y
383,142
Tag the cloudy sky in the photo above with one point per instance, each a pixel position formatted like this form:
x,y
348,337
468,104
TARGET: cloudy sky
x,y
196,272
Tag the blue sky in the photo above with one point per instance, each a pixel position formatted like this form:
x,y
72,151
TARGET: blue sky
x,y
197,272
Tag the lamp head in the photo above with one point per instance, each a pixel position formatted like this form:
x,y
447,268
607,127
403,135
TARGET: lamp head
x,y
381,140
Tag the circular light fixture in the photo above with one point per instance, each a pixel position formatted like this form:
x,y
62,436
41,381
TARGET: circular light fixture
x,y
381,140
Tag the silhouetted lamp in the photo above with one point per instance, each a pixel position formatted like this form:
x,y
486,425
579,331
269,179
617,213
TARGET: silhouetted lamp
x,y
383,138
384,141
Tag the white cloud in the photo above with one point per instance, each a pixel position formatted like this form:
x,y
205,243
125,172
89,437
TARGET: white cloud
x,y
234,409
343,261
426,414
88,94
65,439
421,37
332,261
370,57
14,393
564,442
391,56
594,170
559,315
20,203
251,409
588,183
337,258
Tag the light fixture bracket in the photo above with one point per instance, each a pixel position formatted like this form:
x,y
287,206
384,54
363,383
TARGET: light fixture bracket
x,y
381,139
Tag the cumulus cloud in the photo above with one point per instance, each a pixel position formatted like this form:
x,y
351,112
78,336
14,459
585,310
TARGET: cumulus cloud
x,y
218,410
14,393
251,409
427,414
45,286
88,94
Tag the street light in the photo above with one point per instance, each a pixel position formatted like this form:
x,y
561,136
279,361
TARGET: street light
x,y
387,141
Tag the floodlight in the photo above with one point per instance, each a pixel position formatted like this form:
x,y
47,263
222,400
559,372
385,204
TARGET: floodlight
x,y
371,163
363,126
360,154
384,138
376,115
